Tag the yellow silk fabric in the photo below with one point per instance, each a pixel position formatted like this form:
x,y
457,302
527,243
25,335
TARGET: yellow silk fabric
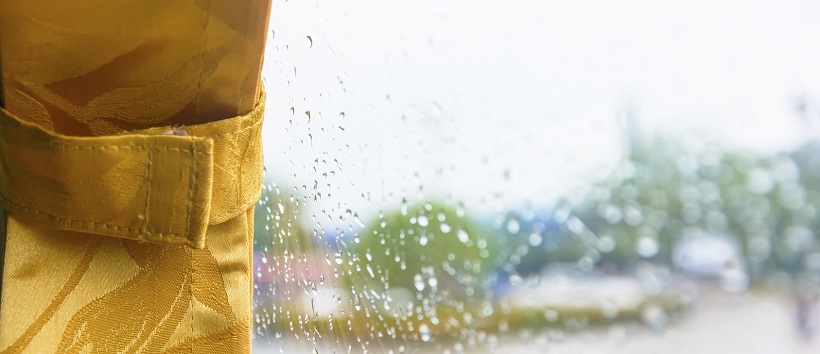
x,y
95,67
130,160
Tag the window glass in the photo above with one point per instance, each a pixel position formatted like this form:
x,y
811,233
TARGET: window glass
x,y
576,176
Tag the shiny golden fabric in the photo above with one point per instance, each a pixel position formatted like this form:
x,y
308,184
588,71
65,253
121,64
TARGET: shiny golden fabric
x,y
130,160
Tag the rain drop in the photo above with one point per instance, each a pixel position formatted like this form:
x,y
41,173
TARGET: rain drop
x,y
513,226
647,247
445,228
425,332
418,281
534,239
463,236
422,220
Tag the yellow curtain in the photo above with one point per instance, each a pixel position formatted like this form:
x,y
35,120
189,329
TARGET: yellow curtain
x,y
130,161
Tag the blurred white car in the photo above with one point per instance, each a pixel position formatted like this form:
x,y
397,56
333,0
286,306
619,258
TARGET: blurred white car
x,y
709,256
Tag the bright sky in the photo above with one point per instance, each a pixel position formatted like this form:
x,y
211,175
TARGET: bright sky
x,y
507,103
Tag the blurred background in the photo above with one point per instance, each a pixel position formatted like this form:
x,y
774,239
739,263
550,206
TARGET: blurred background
x,y
564,177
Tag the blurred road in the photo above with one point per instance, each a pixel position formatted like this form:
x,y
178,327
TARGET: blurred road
x,y
719,323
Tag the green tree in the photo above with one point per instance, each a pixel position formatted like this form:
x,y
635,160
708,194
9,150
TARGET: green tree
x,y
768,204
426,247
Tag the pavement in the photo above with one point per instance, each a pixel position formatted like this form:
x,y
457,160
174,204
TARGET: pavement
x,y
719,322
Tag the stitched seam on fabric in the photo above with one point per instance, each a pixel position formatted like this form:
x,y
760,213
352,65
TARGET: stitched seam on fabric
x,y
193,161
115,147
112,147
244,206
191,184
257,110
254,125
144,227
133,147
5,201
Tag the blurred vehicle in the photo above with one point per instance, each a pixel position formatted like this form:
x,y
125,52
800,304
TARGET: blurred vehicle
x,y
712,257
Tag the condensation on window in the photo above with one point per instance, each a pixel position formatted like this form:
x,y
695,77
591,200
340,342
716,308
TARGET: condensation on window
x,y
566,177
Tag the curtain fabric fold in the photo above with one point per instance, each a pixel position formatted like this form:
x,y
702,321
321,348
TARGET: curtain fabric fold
x,y
130,161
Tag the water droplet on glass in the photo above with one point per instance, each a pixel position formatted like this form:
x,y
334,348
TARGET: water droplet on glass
x,y
516,280
534,239
463,236
424,331
357,220
513,226
418,281
647,247
403,207
422,220
445,228
760,181
606,244
654,317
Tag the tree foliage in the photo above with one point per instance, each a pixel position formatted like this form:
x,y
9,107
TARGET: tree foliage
x,y
425,247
